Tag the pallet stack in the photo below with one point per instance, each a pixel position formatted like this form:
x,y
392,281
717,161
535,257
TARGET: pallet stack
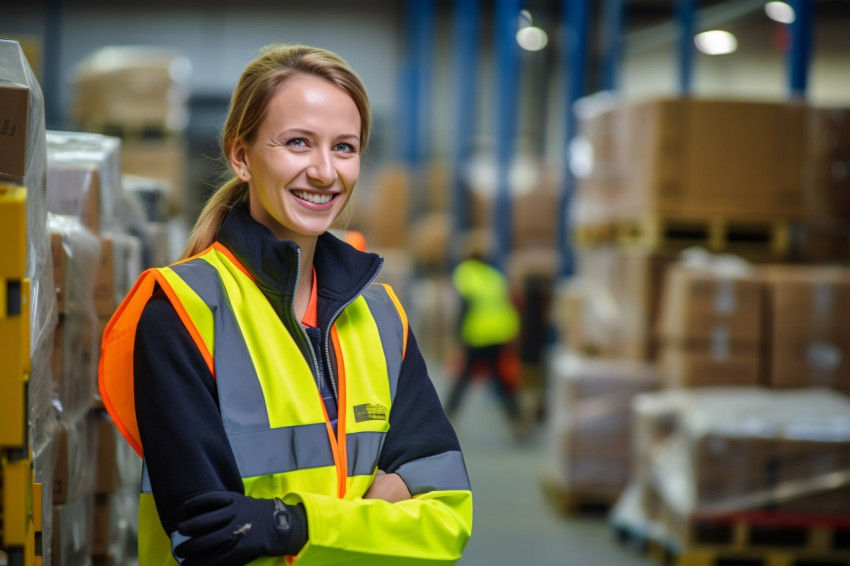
x,y
739,476
694,224
25,313
139,94
95,260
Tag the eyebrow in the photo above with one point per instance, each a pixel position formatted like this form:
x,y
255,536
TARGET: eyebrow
x,y
304,132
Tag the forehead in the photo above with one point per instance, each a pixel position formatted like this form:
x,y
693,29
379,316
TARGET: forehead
x,y
305,98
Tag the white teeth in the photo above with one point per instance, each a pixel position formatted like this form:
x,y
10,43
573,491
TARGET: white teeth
x,y
314,198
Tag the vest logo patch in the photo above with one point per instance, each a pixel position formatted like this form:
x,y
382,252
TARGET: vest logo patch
x,y
369,412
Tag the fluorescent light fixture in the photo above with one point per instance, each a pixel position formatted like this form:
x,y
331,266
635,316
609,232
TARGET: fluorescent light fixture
x,y
781,12
716,42
532,38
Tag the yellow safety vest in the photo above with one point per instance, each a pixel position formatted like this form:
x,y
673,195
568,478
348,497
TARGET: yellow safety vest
x,y
288,450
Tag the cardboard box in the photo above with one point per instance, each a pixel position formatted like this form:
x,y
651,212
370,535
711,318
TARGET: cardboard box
x,y
827,194
808,331
14,124
703,157
74,190
106,470
697,304
105,301
72,530
165,160
101,525
74,362
710,365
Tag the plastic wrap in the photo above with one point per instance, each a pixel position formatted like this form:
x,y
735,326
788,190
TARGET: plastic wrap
x,y
16,72
728,450
76,254
73,158
590,420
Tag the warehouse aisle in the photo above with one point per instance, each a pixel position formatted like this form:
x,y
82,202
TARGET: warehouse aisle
x,y
513,522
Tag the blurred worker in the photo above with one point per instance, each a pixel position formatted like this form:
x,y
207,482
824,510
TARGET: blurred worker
x,y
489,323
278,397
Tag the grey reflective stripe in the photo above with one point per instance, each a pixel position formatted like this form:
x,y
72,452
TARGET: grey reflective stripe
x,y
278,450
443,472
146,479
362,449
390,329
176,539
240,394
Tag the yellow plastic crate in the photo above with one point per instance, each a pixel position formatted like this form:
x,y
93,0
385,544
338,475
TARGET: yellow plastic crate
x,y
13,232
15,356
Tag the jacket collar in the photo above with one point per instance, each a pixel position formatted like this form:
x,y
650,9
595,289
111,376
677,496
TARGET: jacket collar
x,y
342,272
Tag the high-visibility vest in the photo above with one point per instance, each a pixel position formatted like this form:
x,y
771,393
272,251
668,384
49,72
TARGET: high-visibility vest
x,y
290,446
491,317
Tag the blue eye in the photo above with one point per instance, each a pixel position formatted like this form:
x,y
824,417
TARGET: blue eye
x,y
342,146
297,142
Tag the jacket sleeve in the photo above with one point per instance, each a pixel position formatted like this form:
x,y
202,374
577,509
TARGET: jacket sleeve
x,y
431,528
186,448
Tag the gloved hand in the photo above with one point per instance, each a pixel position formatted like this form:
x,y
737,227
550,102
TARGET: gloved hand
x,y
228,528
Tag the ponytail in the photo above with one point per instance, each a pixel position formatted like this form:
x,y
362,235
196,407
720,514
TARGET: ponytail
x,y
231,194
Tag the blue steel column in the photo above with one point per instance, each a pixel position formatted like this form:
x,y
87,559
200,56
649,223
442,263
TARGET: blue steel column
x,y
507,97
614,17
52,75
415,80
685,10
465,43
576,23
800,53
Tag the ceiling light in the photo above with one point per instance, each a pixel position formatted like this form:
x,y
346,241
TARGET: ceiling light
x,y
716,42
781,12
532,38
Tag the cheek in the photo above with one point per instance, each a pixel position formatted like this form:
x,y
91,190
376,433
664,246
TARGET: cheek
x,y
349,174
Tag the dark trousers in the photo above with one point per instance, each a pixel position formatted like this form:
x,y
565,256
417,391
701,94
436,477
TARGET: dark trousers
x,y
486,358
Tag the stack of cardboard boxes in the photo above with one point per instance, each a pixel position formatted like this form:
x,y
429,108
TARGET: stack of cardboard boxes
x,y
95,260
717,469
141,95
697,257
589,429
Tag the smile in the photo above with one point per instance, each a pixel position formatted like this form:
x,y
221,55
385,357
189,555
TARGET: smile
x,y
321,198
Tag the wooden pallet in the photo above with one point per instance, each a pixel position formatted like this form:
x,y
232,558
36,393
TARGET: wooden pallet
x,y
715,233
768,529
132,131
595,234
641,539
567,502
755,557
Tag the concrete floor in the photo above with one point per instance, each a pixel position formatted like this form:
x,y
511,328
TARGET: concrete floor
x,y
513,523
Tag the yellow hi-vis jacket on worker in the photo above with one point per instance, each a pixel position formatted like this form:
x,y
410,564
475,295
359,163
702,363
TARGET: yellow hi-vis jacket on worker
x,y
490,317
289,450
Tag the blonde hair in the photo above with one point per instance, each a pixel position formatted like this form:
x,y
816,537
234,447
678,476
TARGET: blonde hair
x,y
248,106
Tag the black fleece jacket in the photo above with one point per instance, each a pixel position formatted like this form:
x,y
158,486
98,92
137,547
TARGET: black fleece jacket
x,y
186,448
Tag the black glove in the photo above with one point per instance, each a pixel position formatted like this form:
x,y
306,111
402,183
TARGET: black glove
x,y
228,528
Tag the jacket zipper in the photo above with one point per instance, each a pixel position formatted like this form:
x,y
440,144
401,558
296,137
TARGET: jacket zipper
x,y
327,336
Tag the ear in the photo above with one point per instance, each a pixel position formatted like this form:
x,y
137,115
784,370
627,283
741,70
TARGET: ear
x,y
239,162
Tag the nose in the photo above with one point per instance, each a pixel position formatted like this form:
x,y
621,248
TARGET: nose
x,y
321,170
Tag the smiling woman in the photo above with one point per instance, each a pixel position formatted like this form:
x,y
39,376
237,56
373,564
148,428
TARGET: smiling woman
x,y
211,367
305,160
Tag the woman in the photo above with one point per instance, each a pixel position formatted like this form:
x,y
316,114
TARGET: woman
x,y
276,394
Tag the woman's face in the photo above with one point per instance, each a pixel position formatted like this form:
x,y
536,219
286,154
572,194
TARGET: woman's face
x,y
303,164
